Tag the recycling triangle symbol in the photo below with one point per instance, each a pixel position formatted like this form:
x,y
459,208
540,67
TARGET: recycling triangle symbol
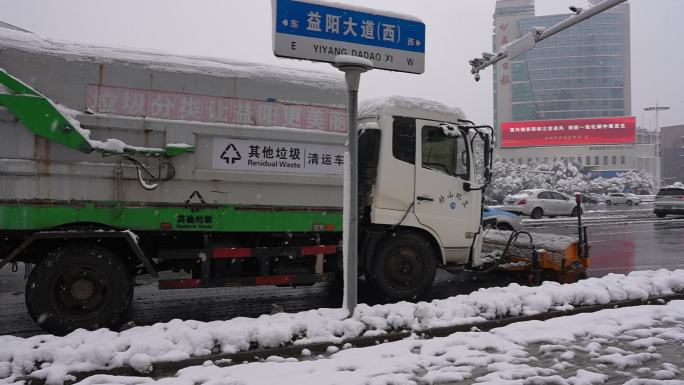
x,y
231,154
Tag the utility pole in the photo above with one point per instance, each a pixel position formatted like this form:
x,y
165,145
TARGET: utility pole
x,y
659,157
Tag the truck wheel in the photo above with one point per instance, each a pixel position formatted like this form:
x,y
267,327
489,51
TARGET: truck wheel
x,y
660,215
403,267
537,213
608,203
629,202
79,286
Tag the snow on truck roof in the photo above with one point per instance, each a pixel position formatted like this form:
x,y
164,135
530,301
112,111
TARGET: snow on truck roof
x,y
164,61
410,106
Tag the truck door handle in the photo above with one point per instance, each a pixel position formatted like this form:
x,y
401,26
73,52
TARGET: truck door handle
x,y
424,198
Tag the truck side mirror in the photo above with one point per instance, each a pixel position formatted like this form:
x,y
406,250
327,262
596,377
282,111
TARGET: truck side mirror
x,y
488,159
466,186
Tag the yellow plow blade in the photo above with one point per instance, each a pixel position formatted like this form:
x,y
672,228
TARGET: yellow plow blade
x,y
559,257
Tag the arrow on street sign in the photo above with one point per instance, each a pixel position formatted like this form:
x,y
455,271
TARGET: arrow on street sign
x,y
319,32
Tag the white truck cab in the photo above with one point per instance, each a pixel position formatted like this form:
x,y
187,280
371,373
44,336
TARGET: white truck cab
x,y
425,179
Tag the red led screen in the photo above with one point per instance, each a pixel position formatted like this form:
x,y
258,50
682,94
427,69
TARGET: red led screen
x,y
613,130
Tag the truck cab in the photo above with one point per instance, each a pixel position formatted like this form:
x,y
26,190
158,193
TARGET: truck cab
x,y
420,188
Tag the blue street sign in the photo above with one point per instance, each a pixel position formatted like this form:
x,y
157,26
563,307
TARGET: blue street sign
x,y
319,32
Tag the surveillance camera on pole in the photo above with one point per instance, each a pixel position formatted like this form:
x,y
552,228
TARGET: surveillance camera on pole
x,y
576,10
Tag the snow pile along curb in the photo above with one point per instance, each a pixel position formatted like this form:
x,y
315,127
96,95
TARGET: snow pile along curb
x,y
52,357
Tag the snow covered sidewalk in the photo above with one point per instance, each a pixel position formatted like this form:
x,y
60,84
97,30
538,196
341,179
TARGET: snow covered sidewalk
x,y
52,357
637,345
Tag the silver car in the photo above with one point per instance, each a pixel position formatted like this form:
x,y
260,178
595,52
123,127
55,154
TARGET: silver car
x,y
538,202
670,200
622,199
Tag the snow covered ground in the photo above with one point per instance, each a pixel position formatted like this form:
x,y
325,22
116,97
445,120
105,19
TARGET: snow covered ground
x,y
52,357
638,345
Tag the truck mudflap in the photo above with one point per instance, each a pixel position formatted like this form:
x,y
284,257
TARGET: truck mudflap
x,y
557,256
262,255
127,236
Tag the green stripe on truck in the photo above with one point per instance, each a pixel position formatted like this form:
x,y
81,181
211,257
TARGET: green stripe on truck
x,y
149,217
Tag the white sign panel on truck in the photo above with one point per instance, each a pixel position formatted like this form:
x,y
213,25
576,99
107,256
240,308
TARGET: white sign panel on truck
x,y
288,157
314,30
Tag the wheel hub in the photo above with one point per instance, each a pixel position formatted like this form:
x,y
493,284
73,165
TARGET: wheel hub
x,y
403,267
82,289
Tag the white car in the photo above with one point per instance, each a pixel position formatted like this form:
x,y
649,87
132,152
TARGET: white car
x,y
670,200
622,199
537,202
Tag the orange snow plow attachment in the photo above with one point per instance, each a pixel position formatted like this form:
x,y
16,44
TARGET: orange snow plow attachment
x,y
558,257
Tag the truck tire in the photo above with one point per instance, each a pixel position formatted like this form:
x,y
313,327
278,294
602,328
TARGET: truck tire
x,y
79,286
403,267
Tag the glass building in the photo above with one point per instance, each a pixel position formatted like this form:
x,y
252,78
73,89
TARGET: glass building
x,y
582,72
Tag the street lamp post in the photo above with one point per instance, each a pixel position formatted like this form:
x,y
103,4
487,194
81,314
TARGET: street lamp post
x,y
659,158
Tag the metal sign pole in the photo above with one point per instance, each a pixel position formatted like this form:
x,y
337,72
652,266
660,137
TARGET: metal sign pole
x,y
300,29
352,68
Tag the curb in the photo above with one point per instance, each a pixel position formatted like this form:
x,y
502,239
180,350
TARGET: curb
x,y
168,369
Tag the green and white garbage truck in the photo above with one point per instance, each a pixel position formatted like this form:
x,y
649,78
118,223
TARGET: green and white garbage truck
x,y
116,163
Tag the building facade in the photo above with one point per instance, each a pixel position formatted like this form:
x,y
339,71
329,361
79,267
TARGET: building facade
x,y
580,73
672,150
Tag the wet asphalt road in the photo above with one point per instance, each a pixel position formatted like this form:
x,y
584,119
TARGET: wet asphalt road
x,y
623,239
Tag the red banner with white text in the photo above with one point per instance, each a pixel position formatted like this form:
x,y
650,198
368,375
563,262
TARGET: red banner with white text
x,y
573,132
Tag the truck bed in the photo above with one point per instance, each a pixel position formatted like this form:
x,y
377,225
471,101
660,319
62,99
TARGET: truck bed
x,y
224,109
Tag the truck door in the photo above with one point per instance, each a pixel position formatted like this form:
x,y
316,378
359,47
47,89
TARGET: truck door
x,y
441,202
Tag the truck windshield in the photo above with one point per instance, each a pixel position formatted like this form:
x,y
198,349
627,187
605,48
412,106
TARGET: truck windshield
x,y
444,153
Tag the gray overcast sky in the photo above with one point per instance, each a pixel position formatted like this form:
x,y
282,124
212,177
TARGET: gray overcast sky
x,y
457,30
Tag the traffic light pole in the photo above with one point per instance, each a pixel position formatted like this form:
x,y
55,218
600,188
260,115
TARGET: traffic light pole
x,y
529,40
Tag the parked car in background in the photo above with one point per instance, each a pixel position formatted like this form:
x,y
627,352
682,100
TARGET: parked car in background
x,y
504,220
538,202
669,200
591,198
622,199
